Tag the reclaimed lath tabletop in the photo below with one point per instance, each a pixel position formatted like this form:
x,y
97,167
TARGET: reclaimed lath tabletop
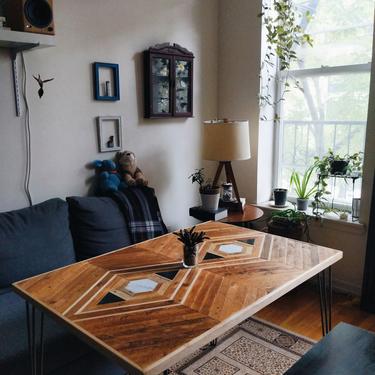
x,y
139,306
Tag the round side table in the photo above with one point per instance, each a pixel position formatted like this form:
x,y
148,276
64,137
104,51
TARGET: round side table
x,y
249,214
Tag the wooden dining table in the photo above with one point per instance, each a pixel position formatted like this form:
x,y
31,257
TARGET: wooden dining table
x,y
143,309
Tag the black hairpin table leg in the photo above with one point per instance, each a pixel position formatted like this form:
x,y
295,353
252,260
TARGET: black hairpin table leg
x,y
36,354
213,342
325,295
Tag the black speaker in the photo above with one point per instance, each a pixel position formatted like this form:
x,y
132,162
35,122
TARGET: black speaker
x,y
34,16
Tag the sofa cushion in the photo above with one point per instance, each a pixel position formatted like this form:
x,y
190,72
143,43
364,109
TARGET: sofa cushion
x,y
97,225
61,347
93,363
34,240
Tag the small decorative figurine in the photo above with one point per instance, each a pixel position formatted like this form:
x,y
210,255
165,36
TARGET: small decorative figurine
x,y
108,177
131,174
227,192
107,88
41,82
111,141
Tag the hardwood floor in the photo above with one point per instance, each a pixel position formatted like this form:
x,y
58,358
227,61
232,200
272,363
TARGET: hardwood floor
x,y
298,311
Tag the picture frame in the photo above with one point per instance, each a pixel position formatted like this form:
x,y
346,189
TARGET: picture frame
x,y
106,81
109,133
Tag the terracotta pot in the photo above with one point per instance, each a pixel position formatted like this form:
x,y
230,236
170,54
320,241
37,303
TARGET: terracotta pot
x,y
190,256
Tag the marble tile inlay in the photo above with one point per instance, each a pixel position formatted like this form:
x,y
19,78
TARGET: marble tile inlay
x,y
141,286
231,249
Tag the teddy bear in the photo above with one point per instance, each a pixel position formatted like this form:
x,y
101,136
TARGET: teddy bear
x,y
130,173
109,178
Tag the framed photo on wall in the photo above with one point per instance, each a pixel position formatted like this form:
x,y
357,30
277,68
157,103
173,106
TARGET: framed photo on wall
x,y
106,81
109,133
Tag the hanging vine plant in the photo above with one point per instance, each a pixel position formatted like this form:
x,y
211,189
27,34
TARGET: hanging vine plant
x,y
283,35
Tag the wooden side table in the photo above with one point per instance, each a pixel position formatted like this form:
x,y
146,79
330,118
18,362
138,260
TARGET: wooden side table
x,y
244,219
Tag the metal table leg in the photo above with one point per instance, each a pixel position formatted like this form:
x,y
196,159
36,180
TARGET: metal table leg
x,y
325,296
36,354
213,342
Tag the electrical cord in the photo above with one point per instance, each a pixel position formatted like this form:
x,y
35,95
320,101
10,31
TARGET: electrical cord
x,y
27,133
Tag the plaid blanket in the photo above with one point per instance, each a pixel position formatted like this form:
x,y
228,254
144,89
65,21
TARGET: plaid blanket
x,y
141,210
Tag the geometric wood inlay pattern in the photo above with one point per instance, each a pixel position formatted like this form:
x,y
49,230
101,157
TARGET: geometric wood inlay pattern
x,y
139,306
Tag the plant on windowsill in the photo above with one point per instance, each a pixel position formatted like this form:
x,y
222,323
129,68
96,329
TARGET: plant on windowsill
x,y
190,240
283,34
289,223
333,165
301,187
210,194
320,202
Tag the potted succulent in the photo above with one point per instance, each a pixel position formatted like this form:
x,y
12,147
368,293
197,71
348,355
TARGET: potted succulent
x,y
289,223
190,240
210,194
302,189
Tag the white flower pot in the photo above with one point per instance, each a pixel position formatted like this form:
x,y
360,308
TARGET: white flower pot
x,y
210,202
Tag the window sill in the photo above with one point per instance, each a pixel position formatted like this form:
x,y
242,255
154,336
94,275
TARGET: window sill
x,y
329,221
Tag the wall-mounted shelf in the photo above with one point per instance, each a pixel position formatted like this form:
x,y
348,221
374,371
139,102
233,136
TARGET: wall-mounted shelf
x,y
16,42
17,39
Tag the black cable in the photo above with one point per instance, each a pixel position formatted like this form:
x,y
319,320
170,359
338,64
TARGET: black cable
x,y
27,133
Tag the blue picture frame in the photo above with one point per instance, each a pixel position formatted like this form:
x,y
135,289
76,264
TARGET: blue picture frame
x,y
97,66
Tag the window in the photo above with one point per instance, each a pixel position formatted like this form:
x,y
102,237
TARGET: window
x,y
330,109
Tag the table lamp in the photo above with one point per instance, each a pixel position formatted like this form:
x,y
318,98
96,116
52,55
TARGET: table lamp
x,y
225,141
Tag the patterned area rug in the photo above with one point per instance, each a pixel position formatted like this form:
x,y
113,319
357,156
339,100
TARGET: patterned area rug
x,y
252,348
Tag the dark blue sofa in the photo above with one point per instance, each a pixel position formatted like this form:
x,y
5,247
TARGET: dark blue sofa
x,y
41,238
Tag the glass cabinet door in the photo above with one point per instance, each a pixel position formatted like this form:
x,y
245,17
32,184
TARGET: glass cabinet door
x,y
161,85
183,74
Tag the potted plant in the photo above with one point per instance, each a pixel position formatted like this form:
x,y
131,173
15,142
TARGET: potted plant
x,y
301,187
355,164
338,165
190,240
289,223
282,22
280,196
335,164
210,194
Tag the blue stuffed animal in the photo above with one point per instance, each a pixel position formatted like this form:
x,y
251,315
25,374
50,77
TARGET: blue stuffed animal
x,y
108,177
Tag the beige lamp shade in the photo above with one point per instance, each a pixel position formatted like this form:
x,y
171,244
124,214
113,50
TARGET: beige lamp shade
x,y
226,140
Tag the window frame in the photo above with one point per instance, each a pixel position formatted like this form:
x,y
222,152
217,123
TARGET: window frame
x,y
301,73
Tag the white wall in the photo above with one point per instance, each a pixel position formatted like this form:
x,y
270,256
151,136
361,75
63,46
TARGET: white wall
x,y
63,121
239,62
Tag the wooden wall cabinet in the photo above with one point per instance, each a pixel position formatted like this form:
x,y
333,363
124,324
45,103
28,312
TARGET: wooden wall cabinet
x,y
168,81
